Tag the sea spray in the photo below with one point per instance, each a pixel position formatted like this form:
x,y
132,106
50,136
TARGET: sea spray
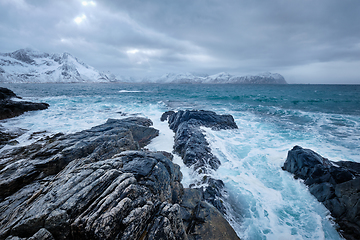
x,y
270,120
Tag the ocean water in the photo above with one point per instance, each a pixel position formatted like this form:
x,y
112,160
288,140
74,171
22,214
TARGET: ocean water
x,y
263,201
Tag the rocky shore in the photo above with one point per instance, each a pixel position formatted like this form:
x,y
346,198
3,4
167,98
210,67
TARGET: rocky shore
x,y
101,184
335,184
10,108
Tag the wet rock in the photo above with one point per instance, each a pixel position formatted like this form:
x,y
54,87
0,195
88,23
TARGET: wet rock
x,y
6,137
202,220
98,184
200,118
9,108
190,142
6,94
191,145
335,184
89,185
165,115
22,165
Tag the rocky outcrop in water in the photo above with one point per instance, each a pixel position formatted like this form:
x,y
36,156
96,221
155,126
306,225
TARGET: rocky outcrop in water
x,y
335,184
101,184
190,142
10,108
191,145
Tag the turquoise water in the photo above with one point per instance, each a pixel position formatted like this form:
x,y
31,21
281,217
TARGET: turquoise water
x,y
263,202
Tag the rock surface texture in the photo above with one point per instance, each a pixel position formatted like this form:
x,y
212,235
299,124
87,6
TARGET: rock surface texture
x,y
335,184
100,184
191,145
10,108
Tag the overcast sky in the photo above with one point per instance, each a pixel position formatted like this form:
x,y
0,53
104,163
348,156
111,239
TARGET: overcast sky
x,y
307,41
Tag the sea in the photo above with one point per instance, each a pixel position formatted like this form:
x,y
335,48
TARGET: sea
x,y
262,200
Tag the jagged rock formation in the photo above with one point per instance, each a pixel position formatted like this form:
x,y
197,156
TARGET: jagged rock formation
x,y
29,66
335,184
191,145
100,184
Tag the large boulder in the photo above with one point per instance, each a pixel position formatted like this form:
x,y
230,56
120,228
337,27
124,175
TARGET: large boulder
x,y
335,184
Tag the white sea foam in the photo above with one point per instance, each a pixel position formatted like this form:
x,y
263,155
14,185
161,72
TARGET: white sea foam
x,y
263,201
131,91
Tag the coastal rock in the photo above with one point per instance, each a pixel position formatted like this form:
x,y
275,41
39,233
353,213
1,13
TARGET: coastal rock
x,y
6,94
335,184
202,220
190,142
9,108
7,136
100,184
50,157
191,145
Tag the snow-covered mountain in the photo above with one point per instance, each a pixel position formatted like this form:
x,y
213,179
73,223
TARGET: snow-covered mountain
x,y
220,78
29,66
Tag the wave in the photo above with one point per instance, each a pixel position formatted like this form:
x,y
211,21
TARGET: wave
x,y
131,91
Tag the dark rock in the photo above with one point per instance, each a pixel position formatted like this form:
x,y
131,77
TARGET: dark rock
x,y
9,108
201,118
99,184
6,137
191,145
6,94
202,220
165,115
51,157
353,167
190,142
335,184
42,234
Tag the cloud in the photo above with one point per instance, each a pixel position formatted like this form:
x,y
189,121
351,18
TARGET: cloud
x,y
154,37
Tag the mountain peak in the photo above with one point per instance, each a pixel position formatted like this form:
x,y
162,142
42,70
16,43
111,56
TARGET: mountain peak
x,y
28,65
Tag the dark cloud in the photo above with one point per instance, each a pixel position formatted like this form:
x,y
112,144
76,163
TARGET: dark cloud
x,y
307,41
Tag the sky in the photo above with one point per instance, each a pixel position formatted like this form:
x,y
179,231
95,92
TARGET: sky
x,y
306,41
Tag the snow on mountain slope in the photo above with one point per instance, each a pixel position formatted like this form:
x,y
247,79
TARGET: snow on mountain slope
x,y
29,66
220,78
265,78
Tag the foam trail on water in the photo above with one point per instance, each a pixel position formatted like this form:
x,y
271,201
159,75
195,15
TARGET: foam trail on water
x,y
165,141
263,201
129,91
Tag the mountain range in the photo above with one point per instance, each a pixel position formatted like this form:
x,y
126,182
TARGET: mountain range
x,y
220,78
30,66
